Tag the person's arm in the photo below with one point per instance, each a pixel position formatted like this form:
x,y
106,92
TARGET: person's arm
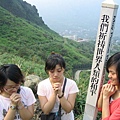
x,y
107,92
15,97
105,107
100,99
47,105
99,102
11,112
26,113
68,104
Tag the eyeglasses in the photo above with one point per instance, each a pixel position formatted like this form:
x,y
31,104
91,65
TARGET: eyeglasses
x,y
11,87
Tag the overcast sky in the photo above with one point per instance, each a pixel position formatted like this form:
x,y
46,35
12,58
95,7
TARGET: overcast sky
x,y
45,5
52,7
59,5
57,13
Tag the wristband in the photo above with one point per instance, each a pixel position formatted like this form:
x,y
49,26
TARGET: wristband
x,y
61,95
13,107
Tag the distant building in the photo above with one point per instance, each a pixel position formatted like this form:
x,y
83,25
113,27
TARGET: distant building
x,y
73,37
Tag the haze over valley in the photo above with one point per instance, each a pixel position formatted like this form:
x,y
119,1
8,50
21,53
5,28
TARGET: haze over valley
x,y
74,17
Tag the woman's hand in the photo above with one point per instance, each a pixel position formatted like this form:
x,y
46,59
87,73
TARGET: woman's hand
x,y
57,88
108,90
15,98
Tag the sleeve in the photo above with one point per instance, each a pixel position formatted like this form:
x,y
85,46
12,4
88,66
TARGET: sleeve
x,y
31,97
73,88
27,95
41,89
114,116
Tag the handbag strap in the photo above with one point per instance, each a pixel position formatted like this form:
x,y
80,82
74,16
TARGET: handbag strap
x,y
64,85
63,92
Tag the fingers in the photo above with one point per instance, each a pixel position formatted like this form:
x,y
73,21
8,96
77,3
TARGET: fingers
x,y
57,86
15,98
108,90
110,87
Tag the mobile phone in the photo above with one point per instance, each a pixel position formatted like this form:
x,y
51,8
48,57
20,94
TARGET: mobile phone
x,y
18,91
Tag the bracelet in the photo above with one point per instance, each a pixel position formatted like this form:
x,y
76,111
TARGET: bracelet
x,y
61,95
13,107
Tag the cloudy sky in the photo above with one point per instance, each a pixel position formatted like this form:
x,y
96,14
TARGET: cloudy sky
x,y
59,5
59,13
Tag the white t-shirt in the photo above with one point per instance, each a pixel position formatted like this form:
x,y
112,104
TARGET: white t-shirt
x,y
45,89
27,97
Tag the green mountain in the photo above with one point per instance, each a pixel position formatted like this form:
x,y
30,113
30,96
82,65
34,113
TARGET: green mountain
x,y
24,37
24,10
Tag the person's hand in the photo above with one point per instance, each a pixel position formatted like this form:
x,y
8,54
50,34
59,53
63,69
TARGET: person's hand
x,y
103,88
108,90
57,87
15,98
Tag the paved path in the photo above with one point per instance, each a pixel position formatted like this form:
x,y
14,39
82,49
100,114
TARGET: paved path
x,y
77,74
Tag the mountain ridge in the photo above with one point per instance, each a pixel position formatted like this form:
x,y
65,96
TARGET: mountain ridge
x,y
24,10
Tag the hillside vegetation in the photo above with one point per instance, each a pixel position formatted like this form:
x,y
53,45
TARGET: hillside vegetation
x,y
33,42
